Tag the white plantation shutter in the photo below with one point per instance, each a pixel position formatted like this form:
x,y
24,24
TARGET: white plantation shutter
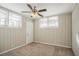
x,y
53,21
43,23
10,19
3,17
15,20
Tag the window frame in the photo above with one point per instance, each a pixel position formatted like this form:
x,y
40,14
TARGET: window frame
x,y
20,22
42,21
48,22
56,21
7,11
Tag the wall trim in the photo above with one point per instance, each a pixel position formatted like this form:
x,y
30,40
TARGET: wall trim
x,y
12,49
53,44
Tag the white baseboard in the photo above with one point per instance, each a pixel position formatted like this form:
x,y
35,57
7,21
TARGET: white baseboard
x,y
54,44
12,49
31,42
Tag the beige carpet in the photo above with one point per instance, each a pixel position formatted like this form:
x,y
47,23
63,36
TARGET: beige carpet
x,y
36,49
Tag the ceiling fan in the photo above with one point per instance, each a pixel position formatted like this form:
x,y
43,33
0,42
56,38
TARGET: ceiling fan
x,y
34,11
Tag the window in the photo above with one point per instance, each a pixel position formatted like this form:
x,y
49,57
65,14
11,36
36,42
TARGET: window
x,y
10,19
2,21
43,23
15,20
3,17
53,21
49,22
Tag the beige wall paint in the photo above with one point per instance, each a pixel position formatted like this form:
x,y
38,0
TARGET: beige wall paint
x,y
75,29
60,36
12,37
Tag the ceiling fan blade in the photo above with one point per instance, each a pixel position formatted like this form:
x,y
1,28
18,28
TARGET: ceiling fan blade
x,y
42,10
26,11
40,15
30,6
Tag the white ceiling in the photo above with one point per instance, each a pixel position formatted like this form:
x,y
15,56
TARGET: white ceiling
x,y
52,8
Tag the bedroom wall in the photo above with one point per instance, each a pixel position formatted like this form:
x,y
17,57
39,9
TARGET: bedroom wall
x,y
75,30
60,36
12,37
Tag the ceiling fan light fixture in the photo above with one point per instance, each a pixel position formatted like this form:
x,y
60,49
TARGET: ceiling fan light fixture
x,y
34,14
